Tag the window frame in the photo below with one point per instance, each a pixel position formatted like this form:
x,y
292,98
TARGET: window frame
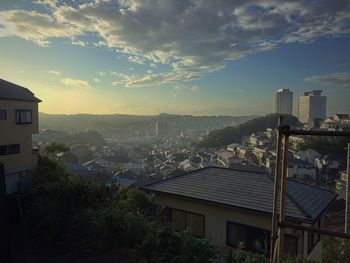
x,y
170,216
16,150
268,233
4,111
18,116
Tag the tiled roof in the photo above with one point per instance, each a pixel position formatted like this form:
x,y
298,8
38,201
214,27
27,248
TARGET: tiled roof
x,y
246,189
11,91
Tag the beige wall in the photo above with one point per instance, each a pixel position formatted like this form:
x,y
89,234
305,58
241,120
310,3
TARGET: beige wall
x,y
12,133
216,218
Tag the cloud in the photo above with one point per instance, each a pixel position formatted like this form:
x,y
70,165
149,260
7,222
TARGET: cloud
x,y
339,79
79,43
55,72
76,83
191,37
136,60
97,80
102,74
195,88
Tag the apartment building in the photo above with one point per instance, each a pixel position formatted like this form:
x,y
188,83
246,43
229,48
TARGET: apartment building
x,y
18,121
284,101
312,106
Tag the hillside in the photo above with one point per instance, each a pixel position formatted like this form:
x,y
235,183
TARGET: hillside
x,y
228,135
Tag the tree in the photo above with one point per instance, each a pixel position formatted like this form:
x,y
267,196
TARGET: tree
x,y
55,148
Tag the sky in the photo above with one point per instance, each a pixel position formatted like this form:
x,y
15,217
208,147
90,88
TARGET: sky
x,y
199,57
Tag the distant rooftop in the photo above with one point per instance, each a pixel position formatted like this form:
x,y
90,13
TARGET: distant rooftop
x,y
11,91
246,189
313,93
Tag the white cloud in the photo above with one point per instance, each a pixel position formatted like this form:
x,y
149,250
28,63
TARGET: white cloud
x,y
102,74
79,43
97,80
192,37
339,79
195,88
55,72
136,60
76,83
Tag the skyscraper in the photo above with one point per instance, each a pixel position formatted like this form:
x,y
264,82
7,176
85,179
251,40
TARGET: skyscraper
x,y
312,106
284,101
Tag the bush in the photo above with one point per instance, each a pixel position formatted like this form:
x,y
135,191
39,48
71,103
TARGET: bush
x,y
64,212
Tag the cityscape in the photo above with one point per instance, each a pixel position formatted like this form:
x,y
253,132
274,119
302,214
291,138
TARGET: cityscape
x,y
194,143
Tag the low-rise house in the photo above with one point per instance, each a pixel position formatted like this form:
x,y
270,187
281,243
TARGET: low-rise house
x,y
329,161
308,155
232,147
18,122
301,169
243,151
187,165
226,158
231,206
166,169
340,184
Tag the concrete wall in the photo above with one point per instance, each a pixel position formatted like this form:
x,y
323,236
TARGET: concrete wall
x,y
12,133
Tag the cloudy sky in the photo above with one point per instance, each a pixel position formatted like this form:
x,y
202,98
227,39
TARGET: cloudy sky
x,y
199,57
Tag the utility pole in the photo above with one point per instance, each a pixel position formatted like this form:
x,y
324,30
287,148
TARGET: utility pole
x,y
347,196
275,192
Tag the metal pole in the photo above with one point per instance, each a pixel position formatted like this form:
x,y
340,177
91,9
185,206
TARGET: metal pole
x,y
275,190
280,248
347,196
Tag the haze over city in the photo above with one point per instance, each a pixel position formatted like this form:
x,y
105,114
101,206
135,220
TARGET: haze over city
x,y
183,57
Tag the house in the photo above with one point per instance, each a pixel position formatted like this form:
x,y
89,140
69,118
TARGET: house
x,y
329,161
301,169
308,155
226,157
18,121
230,206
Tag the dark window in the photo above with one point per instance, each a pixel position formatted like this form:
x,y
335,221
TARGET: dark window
x,y
184,221
13,148
23,116
3,149
3,115
254,239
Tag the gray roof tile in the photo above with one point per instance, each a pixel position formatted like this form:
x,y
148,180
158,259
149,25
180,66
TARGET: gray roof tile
x,y
246,189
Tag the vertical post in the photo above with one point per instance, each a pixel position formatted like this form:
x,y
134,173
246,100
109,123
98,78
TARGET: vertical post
x,y
280,248
275,190
347,196
5,247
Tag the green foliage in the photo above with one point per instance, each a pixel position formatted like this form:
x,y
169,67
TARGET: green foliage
x,y
167,245
49,171
325,145
55,148
228,135
61,211
335,250
242,256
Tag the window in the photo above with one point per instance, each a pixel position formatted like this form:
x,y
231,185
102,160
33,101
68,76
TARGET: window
x,y
13,148
254,239
184,221
3,115
3,149
23,116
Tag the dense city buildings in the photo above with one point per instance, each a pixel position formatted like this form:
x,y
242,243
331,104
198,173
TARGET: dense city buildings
x,y
312,107
284,101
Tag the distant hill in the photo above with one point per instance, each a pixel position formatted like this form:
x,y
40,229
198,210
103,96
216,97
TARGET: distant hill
x,y
228,135
127,124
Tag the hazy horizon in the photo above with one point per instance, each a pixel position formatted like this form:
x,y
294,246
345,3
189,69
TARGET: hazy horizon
x,y
201,58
